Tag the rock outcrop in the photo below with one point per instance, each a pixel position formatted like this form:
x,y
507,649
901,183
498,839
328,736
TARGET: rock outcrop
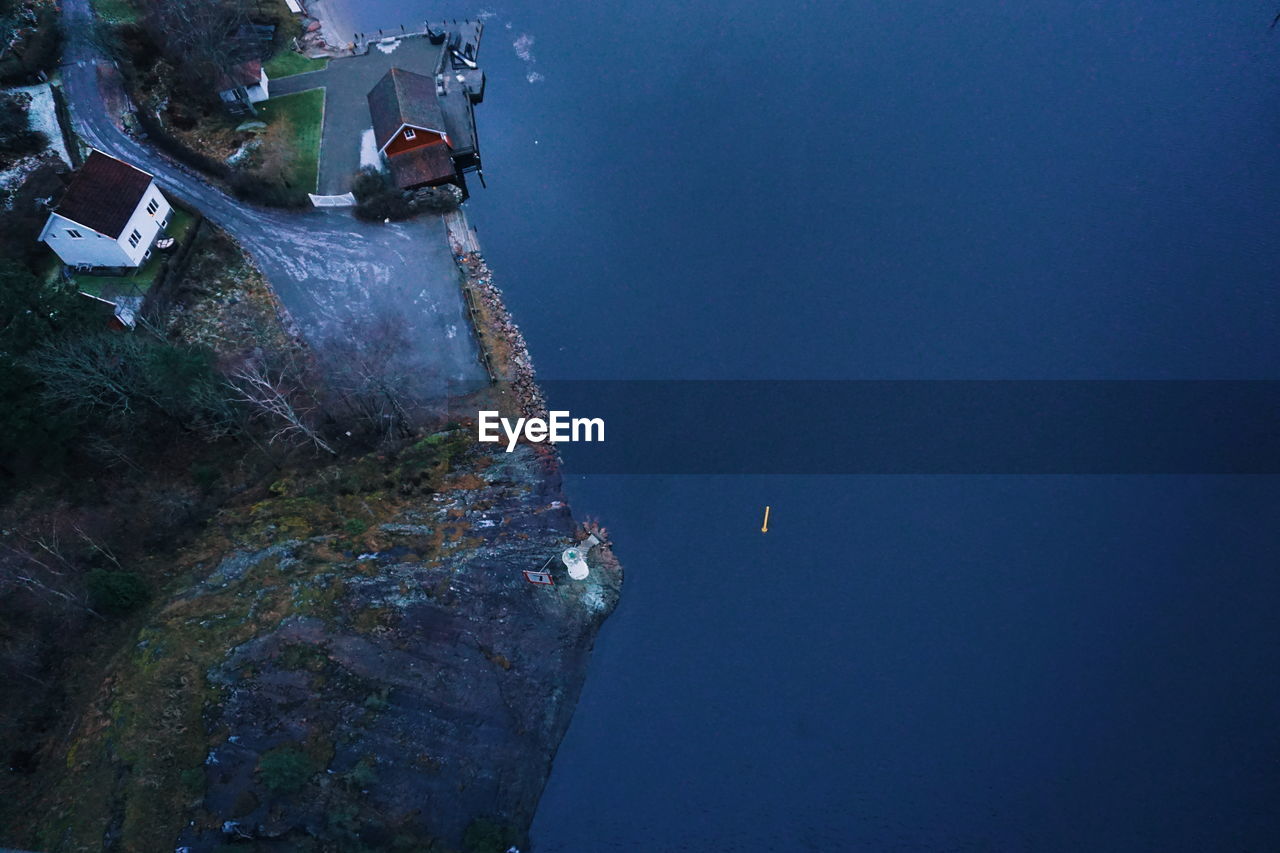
x,y
359,664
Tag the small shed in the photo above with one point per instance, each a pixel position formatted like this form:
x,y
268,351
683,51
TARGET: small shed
x,y
244,84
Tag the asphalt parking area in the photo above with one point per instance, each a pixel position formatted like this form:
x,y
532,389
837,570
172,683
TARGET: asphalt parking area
x,y
347,82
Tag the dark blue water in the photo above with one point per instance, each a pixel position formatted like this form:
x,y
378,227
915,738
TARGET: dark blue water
x,y
1036,189
893,190
930,664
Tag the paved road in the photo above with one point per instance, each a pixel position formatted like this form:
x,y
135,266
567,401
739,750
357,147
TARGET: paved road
x,y
331,271
346,84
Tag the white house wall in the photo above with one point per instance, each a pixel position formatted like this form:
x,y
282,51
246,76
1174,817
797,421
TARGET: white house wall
x,y
97,250
148,224
257,93
92,249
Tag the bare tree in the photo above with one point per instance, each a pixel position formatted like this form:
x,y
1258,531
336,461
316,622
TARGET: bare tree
x,y
119,377
43,609
108,452
40,568
93,372
98,547
270,397
22,654
368,365
202,38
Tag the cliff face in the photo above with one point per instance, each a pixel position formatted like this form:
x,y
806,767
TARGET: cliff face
x,y
357,663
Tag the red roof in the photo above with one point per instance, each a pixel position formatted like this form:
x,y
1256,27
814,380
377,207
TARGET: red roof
x,y
104,194
245,74
424,166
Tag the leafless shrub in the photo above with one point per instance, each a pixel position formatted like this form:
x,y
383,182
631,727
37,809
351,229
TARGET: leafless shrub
x,y
271,397
200,37
368,368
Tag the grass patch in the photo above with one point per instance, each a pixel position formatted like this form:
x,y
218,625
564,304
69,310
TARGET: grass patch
x,y
286,63
302,115
116,11
286,769
138,282
180,222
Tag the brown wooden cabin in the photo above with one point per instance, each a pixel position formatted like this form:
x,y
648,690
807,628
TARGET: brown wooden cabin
x,y
409,129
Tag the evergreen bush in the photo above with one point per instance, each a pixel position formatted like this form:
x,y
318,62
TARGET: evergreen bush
x,y
116,592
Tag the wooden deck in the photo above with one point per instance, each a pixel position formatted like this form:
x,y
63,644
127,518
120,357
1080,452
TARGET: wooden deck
x,y
461,235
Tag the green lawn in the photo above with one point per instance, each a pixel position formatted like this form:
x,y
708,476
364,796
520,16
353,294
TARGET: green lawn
x,y
180,223
304,114
116,11
286,63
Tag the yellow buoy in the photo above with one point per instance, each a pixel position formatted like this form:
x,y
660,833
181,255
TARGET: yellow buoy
x,y
765,527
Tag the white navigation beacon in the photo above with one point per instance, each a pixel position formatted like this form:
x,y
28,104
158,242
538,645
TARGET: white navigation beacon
x,y
575,558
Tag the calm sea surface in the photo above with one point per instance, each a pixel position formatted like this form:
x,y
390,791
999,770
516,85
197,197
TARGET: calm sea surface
x,y
904,190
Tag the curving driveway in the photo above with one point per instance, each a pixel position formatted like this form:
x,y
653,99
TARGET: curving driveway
x,y
331,271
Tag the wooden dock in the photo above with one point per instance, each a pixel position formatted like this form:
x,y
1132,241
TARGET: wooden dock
x,y
462,237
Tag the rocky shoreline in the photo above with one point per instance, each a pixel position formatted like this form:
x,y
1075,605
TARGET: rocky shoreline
x,y
349,658
503,346
436,692
354,661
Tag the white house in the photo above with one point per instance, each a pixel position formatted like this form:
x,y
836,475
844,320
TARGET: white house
x,y
109,217
244,82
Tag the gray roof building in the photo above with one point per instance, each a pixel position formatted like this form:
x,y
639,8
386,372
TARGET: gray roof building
x,y
404,99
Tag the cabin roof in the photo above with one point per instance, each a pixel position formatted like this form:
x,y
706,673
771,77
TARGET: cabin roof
x,y
430,164
403,98
245,74
104,194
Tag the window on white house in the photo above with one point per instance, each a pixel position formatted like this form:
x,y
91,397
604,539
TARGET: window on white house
x,y
135,237
153,206
74,234
408,133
